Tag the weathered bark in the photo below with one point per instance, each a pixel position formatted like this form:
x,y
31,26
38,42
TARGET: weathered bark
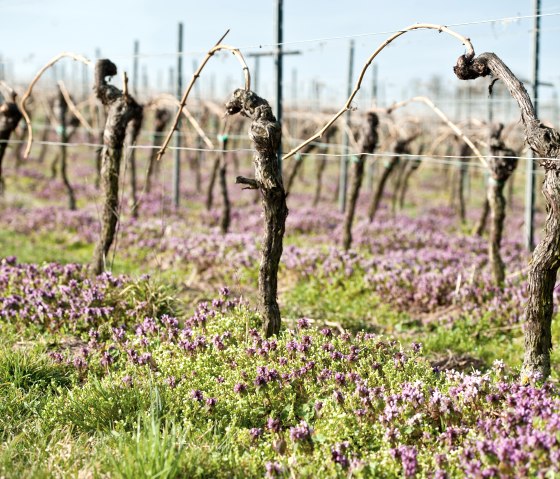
x,y
226,206
60,110
162,117
121,109
545,142
132,131
265,134
368,143
321,165
401,146
9,119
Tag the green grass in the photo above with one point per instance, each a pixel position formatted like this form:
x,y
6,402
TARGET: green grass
x,y
39,248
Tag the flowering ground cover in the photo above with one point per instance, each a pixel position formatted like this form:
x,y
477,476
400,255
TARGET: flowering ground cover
x,y
398,358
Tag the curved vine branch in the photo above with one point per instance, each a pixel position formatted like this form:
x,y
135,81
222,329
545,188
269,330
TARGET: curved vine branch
x,y
357,86
195,76
167,98
448,122
29,90
73,108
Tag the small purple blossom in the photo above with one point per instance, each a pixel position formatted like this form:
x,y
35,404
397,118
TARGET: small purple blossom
x,y
273,424
239,388
256,432
197,395
273,469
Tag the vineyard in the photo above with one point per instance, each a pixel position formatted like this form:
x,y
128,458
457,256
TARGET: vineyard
x,y
190,287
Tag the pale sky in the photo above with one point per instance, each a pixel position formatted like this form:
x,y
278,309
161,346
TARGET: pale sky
x,y
33,31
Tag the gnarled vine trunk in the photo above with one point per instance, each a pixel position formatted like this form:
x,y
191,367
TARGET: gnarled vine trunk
x,y
368,143
545,142
265,134
9,119
121,109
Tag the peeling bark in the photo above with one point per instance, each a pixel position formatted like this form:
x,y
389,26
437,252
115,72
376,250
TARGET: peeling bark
x,y
368,143
545,143
265,133
121,109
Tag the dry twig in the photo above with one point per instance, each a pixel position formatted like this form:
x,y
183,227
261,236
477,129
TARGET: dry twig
x,y
29,90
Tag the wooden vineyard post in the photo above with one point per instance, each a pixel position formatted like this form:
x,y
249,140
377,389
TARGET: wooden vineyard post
x,y
265,134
